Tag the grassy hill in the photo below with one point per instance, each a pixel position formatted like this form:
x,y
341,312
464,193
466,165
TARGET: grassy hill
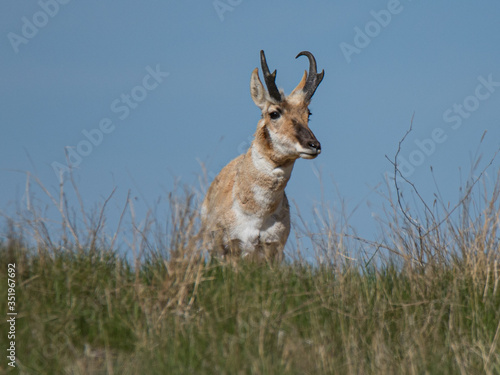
x,y
90,313
423,300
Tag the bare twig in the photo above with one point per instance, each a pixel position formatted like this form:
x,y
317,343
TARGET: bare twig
x,y
424,232
397,171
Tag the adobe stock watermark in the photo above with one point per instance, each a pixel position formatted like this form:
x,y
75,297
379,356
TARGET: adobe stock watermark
x,y
32,25
224,6
364,36
454,117
121,107
11,314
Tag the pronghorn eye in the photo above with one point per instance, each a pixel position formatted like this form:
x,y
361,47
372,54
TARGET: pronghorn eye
x,y
275,115
309,113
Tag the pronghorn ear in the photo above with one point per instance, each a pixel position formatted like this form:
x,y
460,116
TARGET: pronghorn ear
x,y
301,84
257,90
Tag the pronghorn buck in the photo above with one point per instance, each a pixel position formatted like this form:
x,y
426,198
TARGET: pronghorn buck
x,y
246,210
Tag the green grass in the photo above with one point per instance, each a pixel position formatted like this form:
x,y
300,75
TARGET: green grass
x,y
423,299
91,313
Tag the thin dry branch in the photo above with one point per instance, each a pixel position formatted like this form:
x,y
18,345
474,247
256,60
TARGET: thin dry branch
x,y
397,171
394,162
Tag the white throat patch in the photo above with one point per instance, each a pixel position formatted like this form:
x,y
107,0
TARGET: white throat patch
x,y
265,166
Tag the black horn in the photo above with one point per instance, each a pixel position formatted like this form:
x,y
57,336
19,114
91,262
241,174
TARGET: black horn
x,y
269,78
313,78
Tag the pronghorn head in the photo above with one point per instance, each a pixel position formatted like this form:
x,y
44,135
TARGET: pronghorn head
x,y
283,130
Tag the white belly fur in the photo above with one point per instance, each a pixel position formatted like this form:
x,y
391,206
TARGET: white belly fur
x,y
255,231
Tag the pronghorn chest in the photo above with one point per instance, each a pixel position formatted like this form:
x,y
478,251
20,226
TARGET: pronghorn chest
x,y
265,228
260,207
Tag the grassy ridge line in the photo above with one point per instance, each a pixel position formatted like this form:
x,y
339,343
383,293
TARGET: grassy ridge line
x,y
91,313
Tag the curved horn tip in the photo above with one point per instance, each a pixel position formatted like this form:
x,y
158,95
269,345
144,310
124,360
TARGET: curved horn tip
x,y
313,78
303,53
310,56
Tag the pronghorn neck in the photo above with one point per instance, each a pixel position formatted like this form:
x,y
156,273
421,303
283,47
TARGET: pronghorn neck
x,y
260,183
268,166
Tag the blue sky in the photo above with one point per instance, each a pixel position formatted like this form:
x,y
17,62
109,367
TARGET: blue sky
x,y
84,70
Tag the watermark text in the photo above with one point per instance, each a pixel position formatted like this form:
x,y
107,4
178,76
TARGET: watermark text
x,y
11,314
363,36
122,108
30,26
224,6
454,118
